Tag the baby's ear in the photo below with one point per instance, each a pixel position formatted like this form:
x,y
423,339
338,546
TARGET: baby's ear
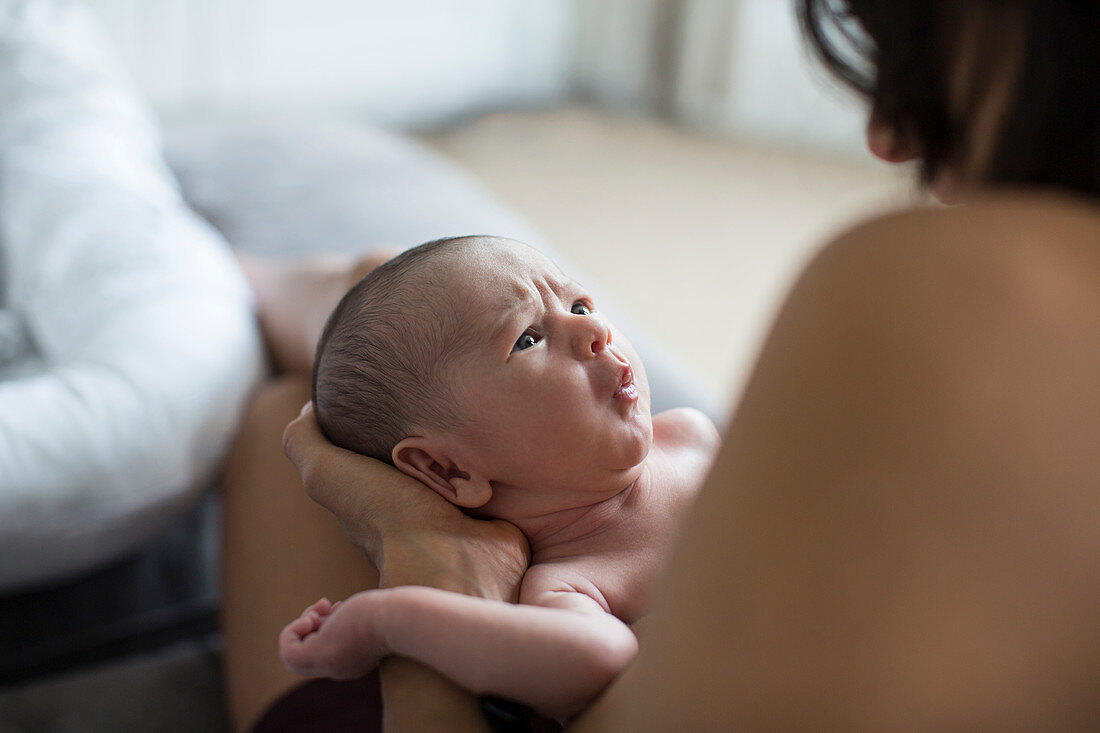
x,y
429,462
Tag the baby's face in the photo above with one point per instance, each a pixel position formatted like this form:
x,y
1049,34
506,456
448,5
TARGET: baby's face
x,y
553,395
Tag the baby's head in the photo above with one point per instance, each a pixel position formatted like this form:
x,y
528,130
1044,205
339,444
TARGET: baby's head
x,y
379,373
476,366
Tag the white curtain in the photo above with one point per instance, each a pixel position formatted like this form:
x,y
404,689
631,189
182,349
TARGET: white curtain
x,y
408,63
734,66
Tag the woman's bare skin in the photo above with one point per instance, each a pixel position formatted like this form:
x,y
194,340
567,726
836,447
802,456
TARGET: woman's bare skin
x,y
295,297
271,528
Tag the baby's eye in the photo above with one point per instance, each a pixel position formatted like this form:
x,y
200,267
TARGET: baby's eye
x,y
580,309
526,341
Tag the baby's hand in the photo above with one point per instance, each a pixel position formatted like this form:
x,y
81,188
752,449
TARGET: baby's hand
x,y
339,641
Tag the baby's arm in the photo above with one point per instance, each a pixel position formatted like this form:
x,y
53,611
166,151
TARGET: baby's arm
x,y
555,657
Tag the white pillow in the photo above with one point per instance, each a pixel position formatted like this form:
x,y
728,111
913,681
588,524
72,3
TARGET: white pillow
x,y
129,340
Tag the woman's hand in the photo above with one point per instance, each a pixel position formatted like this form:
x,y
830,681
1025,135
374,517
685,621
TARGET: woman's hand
x,y
410,534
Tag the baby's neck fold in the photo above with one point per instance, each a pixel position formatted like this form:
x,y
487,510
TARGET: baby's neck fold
x,y
554,528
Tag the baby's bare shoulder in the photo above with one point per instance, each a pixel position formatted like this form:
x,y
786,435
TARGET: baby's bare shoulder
x,y
685,444
685,429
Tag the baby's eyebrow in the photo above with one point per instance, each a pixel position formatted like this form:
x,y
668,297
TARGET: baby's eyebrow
x,y
523,300
510,311
568,283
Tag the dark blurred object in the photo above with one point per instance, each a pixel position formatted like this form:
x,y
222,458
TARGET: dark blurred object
x,y
165,593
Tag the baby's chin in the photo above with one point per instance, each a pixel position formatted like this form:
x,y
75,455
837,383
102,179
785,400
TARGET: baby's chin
x,y
635,450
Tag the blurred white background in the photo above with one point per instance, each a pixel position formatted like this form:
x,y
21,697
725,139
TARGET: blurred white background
x,y
728,65
687,153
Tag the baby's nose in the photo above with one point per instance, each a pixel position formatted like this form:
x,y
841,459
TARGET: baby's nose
x,y
594,338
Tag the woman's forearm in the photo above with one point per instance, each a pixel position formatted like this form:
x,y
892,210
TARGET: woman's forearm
x,y
417,698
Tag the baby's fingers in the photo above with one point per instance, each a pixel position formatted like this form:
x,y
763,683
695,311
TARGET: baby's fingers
x,y
297,642
310,620
292,649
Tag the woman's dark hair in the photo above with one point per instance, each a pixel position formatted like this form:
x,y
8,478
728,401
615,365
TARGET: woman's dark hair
x,y
899,54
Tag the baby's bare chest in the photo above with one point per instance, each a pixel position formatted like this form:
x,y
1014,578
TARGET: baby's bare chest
x,y
621,563
619,568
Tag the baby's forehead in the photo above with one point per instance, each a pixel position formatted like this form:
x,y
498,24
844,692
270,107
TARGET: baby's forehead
x,y
485,286
504,268
494,295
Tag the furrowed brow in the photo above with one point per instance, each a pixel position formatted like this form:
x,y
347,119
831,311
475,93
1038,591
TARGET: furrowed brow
x,y
510,312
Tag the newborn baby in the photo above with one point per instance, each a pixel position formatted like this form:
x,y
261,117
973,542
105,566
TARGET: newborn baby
x,y
475,366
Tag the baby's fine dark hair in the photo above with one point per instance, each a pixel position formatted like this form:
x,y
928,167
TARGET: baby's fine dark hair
x,y
901,55
381,369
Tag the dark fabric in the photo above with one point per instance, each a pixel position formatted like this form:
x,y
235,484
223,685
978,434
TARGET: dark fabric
x,y
326,706
165,592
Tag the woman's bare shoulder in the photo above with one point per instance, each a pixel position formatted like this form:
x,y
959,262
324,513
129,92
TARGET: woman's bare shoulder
x,y
996,300
1012,255
1043,227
